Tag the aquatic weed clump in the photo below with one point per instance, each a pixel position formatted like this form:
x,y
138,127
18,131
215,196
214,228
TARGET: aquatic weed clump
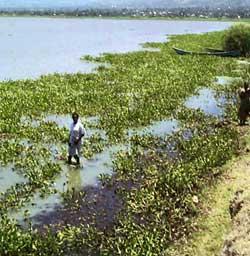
x,y
165,197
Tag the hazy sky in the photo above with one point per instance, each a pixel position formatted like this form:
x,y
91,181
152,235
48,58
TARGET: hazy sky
x,y
86,3
117,3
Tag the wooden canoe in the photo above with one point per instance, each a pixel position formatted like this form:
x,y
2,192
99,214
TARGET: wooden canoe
x,y
213,50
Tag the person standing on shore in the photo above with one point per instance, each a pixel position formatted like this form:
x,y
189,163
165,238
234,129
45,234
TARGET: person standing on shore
x,y
244,108
76,133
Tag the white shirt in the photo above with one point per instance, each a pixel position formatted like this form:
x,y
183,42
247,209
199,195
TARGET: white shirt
x,y
76,131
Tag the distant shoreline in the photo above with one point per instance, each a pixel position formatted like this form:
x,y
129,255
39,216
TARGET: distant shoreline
x,y
124,17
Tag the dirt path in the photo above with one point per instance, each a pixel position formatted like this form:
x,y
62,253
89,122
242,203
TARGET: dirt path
x,y
237,243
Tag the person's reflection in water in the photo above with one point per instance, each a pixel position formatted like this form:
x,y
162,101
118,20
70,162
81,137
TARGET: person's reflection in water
x,y
74,179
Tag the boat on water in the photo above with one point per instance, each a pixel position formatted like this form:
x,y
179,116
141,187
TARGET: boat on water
x,y
213,50
212,53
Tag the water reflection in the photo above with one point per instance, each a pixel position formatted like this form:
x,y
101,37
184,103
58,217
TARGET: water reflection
x,y
74,179
207,102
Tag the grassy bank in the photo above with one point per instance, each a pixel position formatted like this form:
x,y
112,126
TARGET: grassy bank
x,y
158,178
215,223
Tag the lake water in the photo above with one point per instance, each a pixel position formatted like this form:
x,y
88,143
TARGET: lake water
x,y
31,47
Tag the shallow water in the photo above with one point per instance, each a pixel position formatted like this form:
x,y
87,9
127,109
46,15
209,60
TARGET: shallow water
x,y
73,178
161,128
90,169
31,47
224,80
64,121
206,101
8,177
24,120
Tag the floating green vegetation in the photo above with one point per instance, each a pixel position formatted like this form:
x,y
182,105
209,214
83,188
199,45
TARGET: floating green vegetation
x,y
157,178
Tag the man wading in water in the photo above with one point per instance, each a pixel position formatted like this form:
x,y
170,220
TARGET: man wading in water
x,y
76,133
